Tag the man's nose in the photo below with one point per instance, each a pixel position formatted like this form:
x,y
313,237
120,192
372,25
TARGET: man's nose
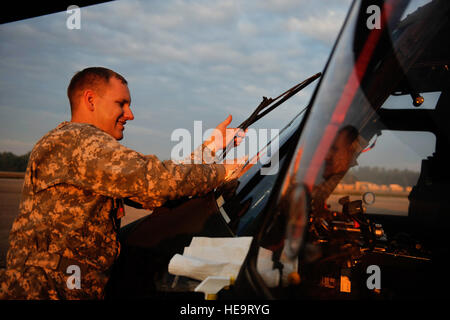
x,y
128,113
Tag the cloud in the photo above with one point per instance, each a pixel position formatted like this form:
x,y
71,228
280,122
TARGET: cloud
x,y
207,12
324,27
214,52
302,8
184,60
254,90
281,5
247,28
167,15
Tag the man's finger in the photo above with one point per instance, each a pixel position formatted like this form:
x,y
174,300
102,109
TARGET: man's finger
x,y
226,122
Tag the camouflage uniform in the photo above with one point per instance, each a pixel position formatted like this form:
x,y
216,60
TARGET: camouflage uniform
x,y
76,179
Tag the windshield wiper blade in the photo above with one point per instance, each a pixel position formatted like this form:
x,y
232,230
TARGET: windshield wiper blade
x,y
265,103
258,114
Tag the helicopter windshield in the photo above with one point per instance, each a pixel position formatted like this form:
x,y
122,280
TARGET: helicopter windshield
x,y
369,131
376,127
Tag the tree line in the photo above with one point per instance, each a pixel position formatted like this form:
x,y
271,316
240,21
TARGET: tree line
x,y
11,162
380,176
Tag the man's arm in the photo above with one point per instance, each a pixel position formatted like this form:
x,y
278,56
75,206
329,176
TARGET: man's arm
x,y
104,166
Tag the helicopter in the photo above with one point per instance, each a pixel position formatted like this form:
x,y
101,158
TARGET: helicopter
x,y
376,227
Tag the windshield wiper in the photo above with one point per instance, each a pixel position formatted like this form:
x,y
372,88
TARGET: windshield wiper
x,y
265,103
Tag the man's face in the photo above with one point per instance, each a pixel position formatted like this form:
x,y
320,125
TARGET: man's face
x,y
339,156
113,108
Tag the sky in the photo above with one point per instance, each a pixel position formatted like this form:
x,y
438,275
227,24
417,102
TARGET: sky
x,y
184,61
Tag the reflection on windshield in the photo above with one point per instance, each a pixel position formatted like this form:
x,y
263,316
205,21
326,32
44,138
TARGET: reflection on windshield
x,y
340,157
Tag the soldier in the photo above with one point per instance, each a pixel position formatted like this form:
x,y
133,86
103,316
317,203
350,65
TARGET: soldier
x,y
77,177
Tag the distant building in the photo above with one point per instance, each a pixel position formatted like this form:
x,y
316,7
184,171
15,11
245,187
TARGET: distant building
x,y
364,186
396,187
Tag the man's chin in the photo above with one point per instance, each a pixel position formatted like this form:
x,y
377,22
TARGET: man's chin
x,y
118,136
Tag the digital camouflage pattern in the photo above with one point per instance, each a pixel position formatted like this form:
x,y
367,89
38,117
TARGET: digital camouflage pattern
x,y
76,178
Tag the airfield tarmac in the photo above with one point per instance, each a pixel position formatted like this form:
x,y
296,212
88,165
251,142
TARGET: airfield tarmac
x,y
10,193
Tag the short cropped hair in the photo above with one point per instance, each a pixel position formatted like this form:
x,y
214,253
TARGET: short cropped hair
x,y
90,78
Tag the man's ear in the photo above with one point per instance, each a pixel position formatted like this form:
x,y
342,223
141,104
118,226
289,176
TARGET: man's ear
x,y
89,99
